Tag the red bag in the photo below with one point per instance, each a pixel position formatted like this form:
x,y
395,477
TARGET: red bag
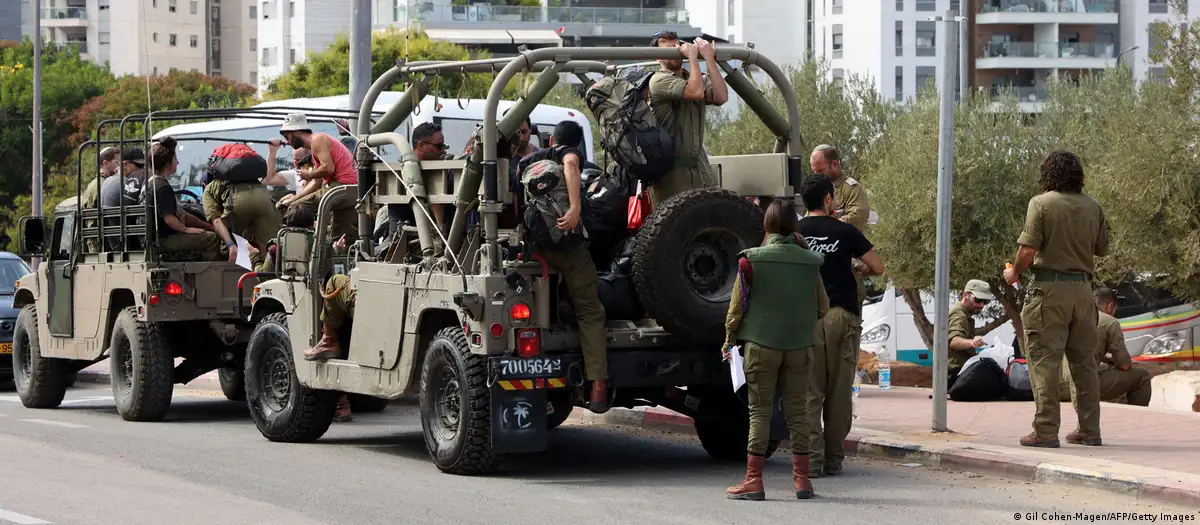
x,y
639,208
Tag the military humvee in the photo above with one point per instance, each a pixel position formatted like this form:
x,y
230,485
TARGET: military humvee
x,y
478,331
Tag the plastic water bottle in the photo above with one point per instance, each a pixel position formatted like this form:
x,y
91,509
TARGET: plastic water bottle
x,y
885,369
857,387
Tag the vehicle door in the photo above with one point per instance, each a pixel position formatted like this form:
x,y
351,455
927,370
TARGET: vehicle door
x,y
60,317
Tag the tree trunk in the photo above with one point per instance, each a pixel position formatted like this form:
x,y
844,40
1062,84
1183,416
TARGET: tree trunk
x,y
1011,299
912,297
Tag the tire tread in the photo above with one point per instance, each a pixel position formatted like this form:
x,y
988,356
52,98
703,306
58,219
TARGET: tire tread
x,y
477,456
313,415
48,379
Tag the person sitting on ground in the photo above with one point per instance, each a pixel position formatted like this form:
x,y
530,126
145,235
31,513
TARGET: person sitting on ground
x,y
963,341
333,165
1115,371
178,231
244,207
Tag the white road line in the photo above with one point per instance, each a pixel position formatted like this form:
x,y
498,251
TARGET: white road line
x,y
20,519
10,399
54,423
88,399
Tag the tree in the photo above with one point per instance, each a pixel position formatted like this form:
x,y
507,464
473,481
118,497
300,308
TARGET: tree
x,y
1178,51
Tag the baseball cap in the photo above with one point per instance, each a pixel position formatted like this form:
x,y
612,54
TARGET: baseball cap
x,y
135,156
979,290
662,34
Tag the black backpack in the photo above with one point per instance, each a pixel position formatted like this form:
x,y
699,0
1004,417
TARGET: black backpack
x,y
629,132
984,380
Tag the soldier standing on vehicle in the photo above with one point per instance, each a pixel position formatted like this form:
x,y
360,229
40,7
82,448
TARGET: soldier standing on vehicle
x,y
1116,374
244,207
679,99
1064,230
333,165
178,230
963,342
830,392
776,303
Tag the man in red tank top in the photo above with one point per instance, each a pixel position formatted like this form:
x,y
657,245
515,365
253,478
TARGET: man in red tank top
x,y
333,165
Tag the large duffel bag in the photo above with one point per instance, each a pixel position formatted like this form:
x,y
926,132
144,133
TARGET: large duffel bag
x,y
1017,385
237,163
982,381
619,297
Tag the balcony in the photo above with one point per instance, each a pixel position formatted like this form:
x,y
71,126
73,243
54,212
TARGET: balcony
x,y
544,15
64,17
1048,12
1029,98
78,45
1033,55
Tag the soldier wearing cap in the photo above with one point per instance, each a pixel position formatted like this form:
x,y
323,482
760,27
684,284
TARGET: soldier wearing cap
x,y
1116,374
963,341
1065,229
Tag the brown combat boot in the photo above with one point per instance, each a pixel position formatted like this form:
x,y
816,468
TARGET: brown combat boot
x,y
752,487
342,413
1034,440
1078,438
598,400
804,488
327,348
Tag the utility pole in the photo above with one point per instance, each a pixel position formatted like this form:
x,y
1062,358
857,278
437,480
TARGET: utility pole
x,y
964,49
37,117
945,185
360,81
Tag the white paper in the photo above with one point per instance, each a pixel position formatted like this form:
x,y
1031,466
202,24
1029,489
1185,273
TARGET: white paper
x,y
997,351
736,370
243,252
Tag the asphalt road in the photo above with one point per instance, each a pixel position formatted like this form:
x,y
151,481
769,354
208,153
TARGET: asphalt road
x,y
81,464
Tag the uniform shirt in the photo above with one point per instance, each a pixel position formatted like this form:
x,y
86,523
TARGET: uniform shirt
x,y
92,194
161,195
961,325
112,191
1067,230
840,243
1111,352
850,201
684,121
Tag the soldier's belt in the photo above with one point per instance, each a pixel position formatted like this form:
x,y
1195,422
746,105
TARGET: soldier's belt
x,y
1051,276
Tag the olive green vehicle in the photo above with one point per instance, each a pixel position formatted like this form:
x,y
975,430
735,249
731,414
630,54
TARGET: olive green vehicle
x,y
481,332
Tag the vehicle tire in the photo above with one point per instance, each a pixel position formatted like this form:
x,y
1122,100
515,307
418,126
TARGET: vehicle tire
x,y
562,409
72,378
142,368
282,408
456,406
360,404
41,382
233,383
685,261
725,436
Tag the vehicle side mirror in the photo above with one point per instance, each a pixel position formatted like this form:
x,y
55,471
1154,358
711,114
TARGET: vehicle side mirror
x,y
295,252
34,232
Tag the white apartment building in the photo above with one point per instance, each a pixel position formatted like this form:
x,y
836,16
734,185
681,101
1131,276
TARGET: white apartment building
x,y
149,37
1136,18
289,30
777,28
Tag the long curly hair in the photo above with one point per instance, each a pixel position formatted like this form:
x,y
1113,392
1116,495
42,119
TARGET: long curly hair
x,y
1062,171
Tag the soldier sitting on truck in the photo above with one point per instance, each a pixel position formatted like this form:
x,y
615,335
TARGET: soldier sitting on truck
x,y
245,207
178,231
333,165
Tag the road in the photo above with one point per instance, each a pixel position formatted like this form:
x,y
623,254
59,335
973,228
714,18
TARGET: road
x,y
81,464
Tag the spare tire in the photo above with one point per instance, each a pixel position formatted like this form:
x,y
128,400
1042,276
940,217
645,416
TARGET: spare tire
x,y
685,260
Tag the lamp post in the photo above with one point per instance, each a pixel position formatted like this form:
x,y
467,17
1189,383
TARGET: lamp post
x,y
1122,52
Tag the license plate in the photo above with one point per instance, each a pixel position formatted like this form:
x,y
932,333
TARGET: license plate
x,y
5,348
529,368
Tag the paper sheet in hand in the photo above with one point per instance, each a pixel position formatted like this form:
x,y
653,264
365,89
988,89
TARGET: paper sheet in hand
x,y
736,370
243,249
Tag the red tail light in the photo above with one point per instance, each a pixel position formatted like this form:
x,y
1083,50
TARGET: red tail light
x,y
529,343
520,312
173,288
153,300
497,330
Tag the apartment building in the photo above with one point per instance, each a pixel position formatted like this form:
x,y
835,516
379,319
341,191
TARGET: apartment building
x,y
777,28
290,30
1136,18
141,37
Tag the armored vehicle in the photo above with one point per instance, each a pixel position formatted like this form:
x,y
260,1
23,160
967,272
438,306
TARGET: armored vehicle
x,y
479,329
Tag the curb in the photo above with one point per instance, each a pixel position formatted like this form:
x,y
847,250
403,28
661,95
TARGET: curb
x,y
1032,466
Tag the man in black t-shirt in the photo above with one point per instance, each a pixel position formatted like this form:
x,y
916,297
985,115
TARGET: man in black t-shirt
x,y
835,357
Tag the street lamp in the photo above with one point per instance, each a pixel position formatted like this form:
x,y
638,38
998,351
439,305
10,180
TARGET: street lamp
x,y
1122,52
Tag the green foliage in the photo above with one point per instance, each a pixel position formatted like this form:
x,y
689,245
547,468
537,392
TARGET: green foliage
x,y
1178,51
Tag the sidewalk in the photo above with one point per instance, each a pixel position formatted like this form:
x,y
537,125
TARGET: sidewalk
x,y
1147,452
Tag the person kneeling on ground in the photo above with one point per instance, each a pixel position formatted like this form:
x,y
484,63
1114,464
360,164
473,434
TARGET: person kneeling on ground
x,y
178,231
1115,371
776,303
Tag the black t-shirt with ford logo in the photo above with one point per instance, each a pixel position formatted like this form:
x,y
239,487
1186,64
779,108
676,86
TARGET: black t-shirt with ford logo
x,y
840,243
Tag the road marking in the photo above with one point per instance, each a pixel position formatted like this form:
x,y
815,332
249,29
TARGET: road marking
x,y
20,519
10,399
88,399
54,423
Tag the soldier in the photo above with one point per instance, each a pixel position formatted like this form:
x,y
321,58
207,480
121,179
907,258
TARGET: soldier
x,y
108,166
1117,376
849,197
1064,229
178,230
963,342
246,208
776,304
830,393
333,165
679,98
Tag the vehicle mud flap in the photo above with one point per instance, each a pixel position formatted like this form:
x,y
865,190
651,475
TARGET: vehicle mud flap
x,y
518,420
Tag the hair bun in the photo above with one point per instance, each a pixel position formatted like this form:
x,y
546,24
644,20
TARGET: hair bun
x,y
167,142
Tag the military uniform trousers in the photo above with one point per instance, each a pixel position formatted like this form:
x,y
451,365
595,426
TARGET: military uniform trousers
x,y
579,273
254,217
208,244
831,387
1134,384
1060,320
344,219
339,302
766,369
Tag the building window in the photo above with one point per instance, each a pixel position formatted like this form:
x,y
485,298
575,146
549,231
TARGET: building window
x,y
837,7
925,75
154,4
105,38
291,9
899,83
838,73
732,39
254,77
1153,40
954,5
173,41
1157,73
899,38
926,39
265,12
171,5
253,12
1158,6
292,56
837,40
254,44
926,5
195,7
266,56
730,7
154,38
155,70
899,5
194,41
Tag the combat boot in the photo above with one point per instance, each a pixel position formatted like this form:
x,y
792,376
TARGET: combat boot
x,y
803,486
752,487
598,400
342,413
1078,438
327,348
1035,440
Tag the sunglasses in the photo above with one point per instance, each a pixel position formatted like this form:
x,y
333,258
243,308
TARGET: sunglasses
x,y
439,145
982,302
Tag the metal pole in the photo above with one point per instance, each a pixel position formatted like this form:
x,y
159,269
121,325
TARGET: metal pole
x,y
945,183
37,117
964,50
360,80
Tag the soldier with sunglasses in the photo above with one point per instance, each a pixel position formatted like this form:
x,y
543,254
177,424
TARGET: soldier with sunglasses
x,y
963,341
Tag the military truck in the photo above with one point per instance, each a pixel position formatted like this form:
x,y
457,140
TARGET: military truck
x,y
478,331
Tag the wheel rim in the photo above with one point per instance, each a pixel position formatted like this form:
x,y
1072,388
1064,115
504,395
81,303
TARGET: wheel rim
x,y
126,366
448,407
709,265
23,357
276,382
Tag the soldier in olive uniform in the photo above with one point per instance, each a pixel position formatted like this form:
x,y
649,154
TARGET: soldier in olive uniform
x,y
1064,230
963,341
1116,375
245,208
777,302
108,166
679,99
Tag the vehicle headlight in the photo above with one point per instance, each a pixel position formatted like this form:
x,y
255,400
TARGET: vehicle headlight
x,y
878,334
1167,343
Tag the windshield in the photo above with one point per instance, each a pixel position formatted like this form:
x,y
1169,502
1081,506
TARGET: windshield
x,y
10,271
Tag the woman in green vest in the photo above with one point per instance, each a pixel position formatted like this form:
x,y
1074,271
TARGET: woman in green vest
x,y
773,313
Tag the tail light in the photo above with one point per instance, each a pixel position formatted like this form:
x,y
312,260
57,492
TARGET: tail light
x,y
520,312
153,299
529,343
173,288
496,330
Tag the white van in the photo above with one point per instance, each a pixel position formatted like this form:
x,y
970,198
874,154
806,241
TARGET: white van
x,y
887,319
457,124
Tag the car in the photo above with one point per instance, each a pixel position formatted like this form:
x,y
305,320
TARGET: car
x,y
12,268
